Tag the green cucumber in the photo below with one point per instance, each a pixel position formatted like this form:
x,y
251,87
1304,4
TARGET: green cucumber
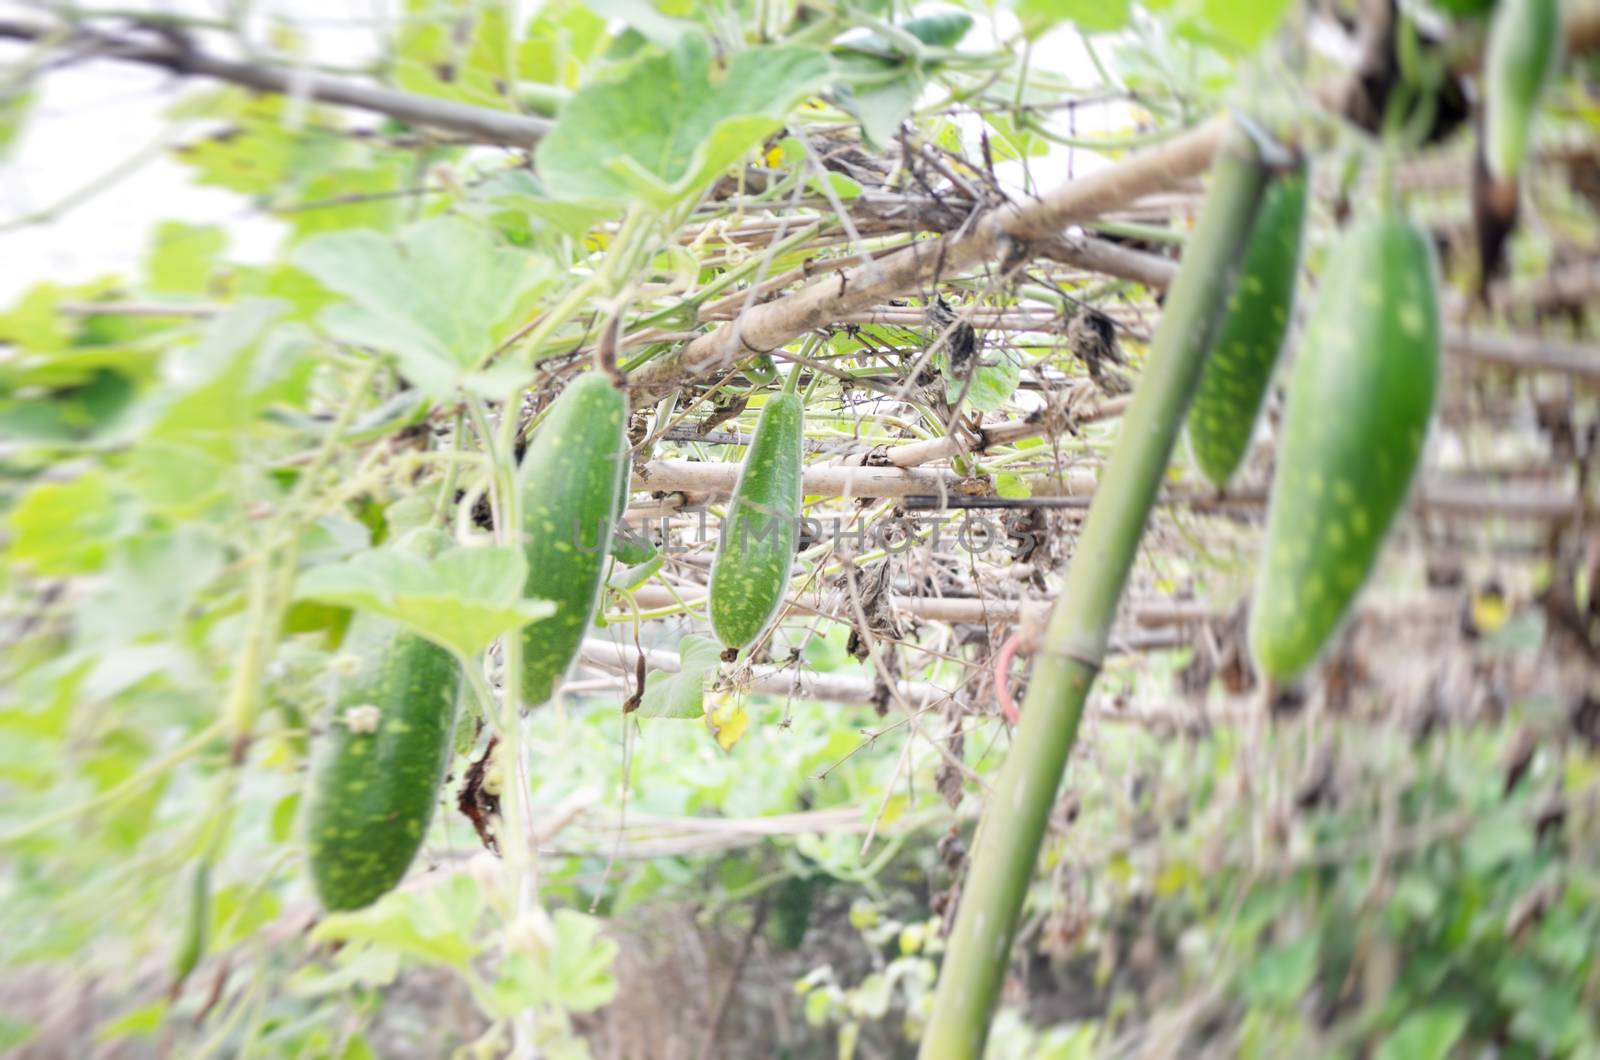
x,y
1245,349
197,928
756,552
569,488
381,761
1360,398
1524,46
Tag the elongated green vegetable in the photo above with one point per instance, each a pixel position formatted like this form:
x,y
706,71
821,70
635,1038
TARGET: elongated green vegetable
x,y
1524,47
380,763
197,928
569,482
756,551
1360,398
1245,351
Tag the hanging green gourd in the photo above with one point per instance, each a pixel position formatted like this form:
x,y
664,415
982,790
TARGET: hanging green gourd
x,y
1360,398
1250,335
756,550
571,477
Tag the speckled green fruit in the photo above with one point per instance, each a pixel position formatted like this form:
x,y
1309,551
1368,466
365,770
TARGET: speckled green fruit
x,y
570,478
377,773
756,550
1523,51
1245,350
1360,398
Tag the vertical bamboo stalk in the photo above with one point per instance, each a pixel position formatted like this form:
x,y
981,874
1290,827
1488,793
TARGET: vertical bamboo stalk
x,y
1068,657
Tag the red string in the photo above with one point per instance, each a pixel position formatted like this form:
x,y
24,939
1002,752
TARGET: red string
x,y
1002,676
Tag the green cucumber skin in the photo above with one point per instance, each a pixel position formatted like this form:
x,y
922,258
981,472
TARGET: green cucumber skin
x,y
756,552
1360,398
569,483
1245,350
1524,42
373,793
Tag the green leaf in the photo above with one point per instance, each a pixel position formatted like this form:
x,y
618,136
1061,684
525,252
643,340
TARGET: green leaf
x,y
149,581
558,42
261,149
665,125
1281,975
218,387
461,599
1429,1034
682,695
459,50
440,295
351,197
1009,141
629,578
433,925
62,528
879,105
1244,25
1089,16
1009,484
183,257
33,323
992,384
647,19
573,972
15,1033
141,1022
69,415
14,105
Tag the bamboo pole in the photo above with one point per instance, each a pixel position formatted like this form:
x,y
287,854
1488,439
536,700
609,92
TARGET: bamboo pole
x,y
1069,655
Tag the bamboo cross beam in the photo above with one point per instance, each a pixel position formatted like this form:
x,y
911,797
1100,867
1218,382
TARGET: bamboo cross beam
x,y
938,489
995,238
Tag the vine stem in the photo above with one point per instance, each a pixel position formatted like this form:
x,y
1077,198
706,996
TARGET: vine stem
x,y
1069,655
517,811
267,597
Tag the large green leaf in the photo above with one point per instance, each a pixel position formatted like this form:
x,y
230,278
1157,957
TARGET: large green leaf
x,y
664,125
682,695
183,257
435,925
1428,1034
462,598
1090,16
62,528
572,972
440,295
460,50
1243,25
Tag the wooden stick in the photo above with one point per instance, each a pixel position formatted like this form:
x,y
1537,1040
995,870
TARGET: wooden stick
x,y
765,327
479,124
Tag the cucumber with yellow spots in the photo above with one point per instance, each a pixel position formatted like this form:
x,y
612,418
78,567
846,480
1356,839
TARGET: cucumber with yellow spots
x,y
1523,52
569,483
1360,397
380,761
756,550
1250,334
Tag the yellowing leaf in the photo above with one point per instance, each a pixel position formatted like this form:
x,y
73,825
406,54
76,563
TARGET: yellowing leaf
x,y
727,722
